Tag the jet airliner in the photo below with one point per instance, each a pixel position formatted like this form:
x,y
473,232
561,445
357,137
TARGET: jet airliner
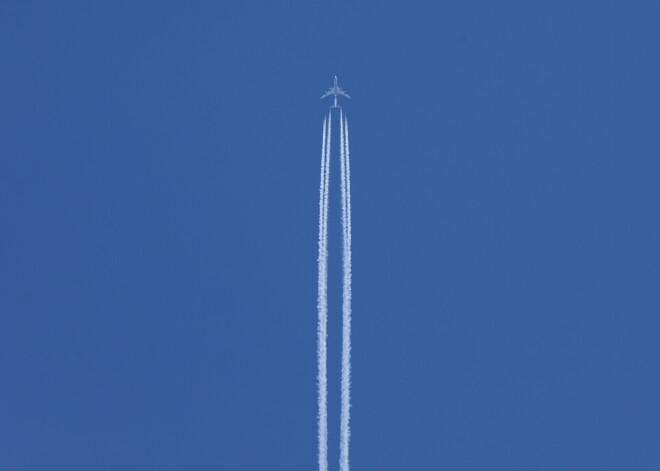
x,y
335,90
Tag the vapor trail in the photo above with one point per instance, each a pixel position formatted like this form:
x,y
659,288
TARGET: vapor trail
x,y
322,305
345,431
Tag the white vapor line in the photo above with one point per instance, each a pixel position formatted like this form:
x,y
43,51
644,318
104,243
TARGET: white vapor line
x,y
344,428
322,305
348,207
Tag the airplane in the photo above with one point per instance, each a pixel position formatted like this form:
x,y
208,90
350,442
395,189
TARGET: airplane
x,y
335,90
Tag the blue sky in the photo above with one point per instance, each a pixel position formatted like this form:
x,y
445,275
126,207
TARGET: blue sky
x,y
159,201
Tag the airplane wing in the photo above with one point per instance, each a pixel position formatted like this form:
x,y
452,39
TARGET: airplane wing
x,y
342,92
328,93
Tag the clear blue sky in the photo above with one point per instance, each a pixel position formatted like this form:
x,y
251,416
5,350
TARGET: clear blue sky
x,y
159,201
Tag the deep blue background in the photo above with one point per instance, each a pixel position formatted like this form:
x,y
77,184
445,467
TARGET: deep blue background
x,y
159,200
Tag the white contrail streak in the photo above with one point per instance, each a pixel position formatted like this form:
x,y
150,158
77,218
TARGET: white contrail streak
x,y
322,327
345,431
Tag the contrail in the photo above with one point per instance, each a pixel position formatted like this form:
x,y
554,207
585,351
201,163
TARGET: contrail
x,y
323,300
345,431
322,327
